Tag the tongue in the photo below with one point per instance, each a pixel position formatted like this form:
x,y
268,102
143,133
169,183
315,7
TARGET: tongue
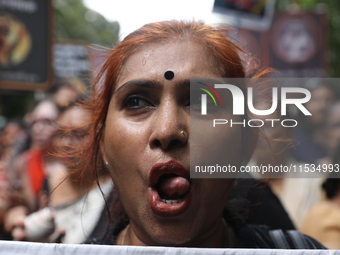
x,y
174,187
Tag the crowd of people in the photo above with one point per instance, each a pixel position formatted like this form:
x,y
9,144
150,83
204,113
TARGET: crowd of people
x,y
34,177
111,167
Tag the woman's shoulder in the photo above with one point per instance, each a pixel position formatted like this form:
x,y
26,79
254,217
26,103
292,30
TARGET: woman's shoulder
x,y
263,237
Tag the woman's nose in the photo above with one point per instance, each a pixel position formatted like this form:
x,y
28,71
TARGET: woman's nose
x,y
170,128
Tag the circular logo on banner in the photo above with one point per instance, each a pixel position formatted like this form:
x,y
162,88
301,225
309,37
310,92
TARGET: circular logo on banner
x,y
15,41
295,39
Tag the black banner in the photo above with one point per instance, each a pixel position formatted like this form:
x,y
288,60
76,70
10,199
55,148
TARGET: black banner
x,y
25,44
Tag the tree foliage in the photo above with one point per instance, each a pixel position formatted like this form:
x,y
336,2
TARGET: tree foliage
x,y
75,21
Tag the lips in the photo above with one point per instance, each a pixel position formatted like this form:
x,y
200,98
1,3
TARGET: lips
x,y
169,188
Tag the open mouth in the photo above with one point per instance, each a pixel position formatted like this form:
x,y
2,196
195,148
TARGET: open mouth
x,y
170,188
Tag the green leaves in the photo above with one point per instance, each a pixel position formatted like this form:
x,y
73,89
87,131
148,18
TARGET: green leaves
x,y
75,21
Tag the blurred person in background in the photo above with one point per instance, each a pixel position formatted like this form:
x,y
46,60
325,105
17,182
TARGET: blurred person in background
x,y
76,201
66,91
297,194
323,220
332,133
14,141
262,203
310,133
75,196
42,121
2,136
27,175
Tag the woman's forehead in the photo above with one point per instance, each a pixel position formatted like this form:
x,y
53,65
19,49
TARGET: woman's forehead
x,y
73,117
45,110
185,59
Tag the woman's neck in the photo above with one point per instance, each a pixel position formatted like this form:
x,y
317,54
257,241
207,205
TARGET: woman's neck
x,y
221,237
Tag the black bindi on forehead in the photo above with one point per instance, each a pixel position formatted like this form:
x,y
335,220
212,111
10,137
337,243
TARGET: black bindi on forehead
x,y
169,75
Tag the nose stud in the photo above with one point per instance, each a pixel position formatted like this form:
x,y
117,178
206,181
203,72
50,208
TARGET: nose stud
x,y
183,133
169,75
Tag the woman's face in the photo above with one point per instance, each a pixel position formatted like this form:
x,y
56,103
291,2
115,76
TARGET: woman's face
x,y
43,124
75,119
148,154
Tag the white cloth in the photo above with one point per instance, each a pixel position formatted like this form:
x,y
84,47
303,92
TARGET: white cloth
x,y
80,218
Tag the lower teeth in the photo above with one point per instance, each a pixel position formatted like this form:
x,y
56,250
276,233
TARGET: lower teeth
x,y
171,201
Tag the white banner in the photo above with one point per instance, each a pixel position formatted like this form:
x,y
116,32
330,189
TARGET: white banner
x,y
21,248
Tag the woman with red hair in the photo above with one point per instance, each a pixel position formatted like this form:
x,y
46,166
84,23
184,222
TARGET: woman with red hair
x,y
140,132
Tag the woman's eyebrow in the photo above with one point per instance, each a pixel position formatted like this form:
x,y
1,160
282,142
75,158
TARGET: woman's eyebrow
x,y
140,83
183,83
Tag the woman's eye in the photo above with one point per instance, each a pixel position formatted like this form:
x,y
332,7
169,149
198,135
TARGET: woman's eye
x,y
136,103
